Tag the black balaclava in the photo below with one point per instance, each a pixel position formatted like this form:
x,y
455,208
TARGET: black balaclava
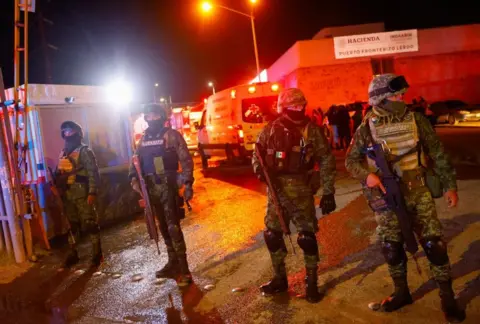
x,y
157,124
72,142
395,108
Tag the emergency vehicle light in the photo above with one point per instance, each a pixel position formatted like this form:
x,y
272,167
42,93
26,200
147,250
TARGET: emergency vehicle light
x,y
233,94
274,87
251,89
240,133
119,92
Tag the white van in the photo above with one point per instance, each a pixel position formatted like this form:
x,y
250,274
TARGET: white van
x,y
234,117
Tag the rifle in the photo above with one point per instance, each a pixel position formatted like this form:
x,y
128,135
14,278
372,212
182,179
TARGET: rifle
x,y
145,203
394,196
272,186
56,194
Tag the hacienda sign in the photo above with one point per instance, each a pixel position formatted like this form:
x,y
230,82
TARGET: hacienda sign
x,y
376,44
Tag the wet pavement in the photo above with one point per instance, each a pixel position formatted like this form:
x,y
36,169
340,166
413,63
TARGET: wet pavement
x,y
229,261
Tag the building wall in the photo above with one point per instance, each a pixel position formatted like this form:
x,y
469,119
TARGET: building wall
x,y
434,77
447,66
334,84
442,77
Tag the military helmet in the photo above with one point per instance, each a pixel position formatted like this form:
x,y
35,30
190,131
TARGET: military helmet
x,y
70,128
290,98
384,86
160,109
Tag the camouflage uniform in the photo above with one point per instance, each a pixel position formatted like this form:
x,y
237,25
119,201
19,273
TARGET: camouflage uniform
x,y
295,190
160,174
296,194
77,174
402,130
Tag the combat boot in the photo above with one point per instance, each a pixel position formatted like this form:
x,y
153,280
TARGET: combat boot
x,y
400,297
171,267
278,284
311,286
72,258
185,277
450,308
97,254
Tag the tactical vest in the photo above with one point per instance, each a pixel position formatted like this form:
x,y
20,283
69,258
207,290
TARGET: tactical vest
x,y
401,139
70,164
288,151
157,158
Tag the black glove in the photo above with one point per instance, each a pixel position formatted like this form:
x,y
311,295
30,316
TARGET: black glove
x,y
327,204
188,193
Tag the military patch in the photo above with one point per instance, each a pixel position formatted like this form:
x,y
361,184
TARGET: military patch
x,y
153,143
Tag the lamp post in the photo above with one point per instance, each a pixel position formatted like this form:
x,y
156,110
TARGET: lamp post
x,y
211,85
208,6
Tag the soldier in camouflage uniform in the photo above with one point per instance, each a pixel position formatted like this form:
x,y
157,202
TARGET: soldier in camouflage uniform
x,y
293,145
77,178
160,150
410,139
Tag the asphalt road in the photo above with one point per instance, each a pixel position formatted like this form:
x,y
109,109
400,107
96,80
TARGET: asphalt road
x,y
463,146
226,250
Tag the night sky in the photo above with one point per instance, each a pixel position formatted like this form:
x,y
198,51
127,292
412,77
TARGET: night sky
x,y
172,43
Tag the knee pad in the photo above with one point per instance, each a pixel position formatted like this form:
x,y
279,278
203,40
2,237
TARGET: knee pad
x,y
436,250
308,243
393,252
274,241
175,232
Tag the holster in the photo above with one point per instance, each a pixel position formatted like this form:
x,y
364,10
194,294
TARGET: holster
x,y
413,179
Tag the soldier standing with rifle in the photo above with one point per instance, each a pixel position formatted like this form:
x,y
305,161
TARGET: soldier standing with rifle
x,y
160,150
286,152
77,180
388,155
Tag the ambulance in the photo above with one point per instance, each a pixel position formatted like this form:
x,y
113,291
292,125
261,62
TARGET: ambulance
x,y
233,118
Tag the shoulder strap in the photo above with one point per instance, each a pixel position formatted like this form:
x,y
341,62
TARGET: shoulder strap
x,y
369,131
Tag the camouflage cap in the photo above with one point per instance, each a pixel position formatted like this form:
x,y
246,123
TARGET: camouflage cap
x,y
379,82
289,98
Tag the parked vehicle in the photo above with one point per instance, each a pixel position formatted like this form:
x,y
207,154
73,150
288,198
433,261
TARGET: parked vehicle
x,y
234,117
455,111
191,128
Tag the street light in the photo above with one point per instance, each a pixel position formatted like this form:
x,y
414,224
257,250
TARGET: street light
x,y
155,92
210,84
162,99
207,6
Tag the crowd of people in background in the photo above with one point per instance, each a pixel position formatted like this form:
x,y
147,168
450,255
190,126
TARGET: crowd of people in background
x,y
340,121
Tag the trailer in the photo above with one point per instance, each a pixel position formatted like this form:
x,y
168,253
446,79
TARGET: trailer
x,y
107,131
